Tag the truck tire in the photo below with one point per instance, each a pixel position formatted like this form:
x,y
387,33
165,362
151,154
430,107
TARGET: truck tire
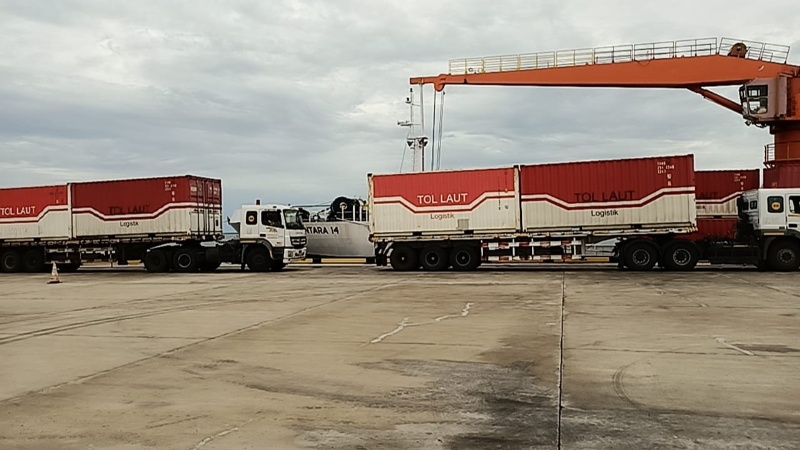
x,y
465,258
404,259
434,258
640,256
680,256
10,262
784,256
156,261
277,266
258,260
33,261
186,260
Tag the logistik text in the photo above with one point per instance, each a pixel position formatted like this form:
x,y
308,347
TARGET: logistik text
x,y
15,211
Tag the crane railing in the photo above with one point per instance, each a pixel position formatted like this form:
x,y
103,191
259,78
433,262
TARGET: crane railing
x,y
616,54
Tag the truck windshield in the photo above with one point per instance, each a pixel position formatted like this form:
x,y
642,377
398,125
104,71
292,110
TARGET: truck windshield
x,y
293,221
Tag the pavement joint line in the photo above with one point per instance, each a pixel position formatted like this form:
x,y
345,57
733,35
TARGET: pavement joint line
x,y
561,359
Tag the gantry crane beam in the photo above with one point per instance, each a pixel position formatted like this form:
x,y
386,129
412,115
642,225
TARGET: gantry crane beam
x,y
690,72
769,92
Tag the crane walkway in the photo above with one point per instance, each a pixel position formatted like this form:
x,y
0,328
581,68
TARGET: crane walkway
x,y
760,51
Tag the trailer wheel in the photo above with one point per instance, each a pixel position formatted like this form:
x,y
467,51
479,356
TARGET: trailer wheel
x,y
10,262
784,256
404,259
680,256
156,261
258,260
465,258
434,258
186,260
33,261
640,256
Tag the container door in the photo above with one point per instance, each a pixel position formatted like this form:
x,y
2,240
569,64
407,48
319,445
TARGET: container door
x,y
203,200
198,192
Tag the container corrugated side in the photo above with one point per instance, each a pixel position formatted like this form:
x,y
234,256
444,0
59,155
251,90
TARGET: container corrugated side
x,y
165,206
784,176
448,202
718,190
714,229
31,213
608,195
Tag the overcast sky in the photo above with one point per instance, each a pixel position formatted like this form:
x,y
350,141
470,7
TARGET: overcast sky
x,y
296,101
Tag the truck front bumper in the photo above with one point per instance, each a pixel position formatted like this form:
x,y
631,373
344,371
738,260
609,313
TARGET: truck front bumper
x,y
291,255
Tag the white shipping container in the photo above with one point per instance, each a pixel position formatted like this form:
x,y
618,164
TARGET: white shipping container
x,y
34,213
454,202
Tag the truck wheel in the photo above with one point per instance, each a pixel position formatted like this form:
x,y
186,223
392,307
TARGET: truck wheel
x,y
185,260
156,261
465,258
640,256
404,259
434,258
258,260
784,256
33,261
10,262
680,256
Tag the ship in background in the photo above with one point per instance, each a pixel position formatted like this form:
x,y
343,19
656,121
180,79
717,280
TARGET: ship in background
x,y
340,230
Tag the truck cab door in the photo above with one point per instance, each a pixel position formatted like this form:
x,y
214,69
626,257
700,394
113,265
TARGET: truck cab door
x,y
793,213
272,228
249,226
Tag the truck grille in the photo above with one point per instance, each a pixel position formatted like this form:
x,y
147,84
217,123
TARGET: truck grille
x,y
299,242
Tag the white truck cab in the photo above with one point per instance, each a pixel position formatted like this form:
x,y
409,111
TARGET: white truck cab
x,y
275,234
773,223
773,210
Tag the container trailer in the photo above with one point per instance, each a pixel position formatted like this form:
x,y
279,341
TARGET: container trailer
x,y
169,223
552,212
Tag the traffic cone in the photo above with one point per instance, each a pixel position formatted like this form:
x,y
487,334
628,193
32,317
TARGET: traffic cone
x,y
54,278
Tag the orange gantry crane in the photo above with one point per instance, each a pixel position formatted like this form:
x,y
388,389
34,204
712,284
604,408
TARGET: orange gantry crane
x,y
769,95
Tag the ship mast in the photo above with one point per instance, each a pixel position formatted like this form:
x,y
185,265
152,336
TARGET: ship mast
x,y
416,138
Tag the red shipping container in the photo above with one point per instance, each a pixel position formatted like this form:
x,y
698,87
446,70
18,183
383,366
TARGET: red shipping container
x,y
34,213
782,176
183,205
718,190
454,201
609,194
714,230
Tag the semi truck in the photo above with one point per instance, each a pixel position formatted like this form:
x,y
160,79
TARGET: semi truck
x,y
169,223
551,212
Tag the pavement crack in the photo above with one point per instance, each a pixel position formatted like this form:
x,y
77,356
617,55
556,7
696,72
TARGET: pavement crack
x,y
733,347
221,434
405,324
